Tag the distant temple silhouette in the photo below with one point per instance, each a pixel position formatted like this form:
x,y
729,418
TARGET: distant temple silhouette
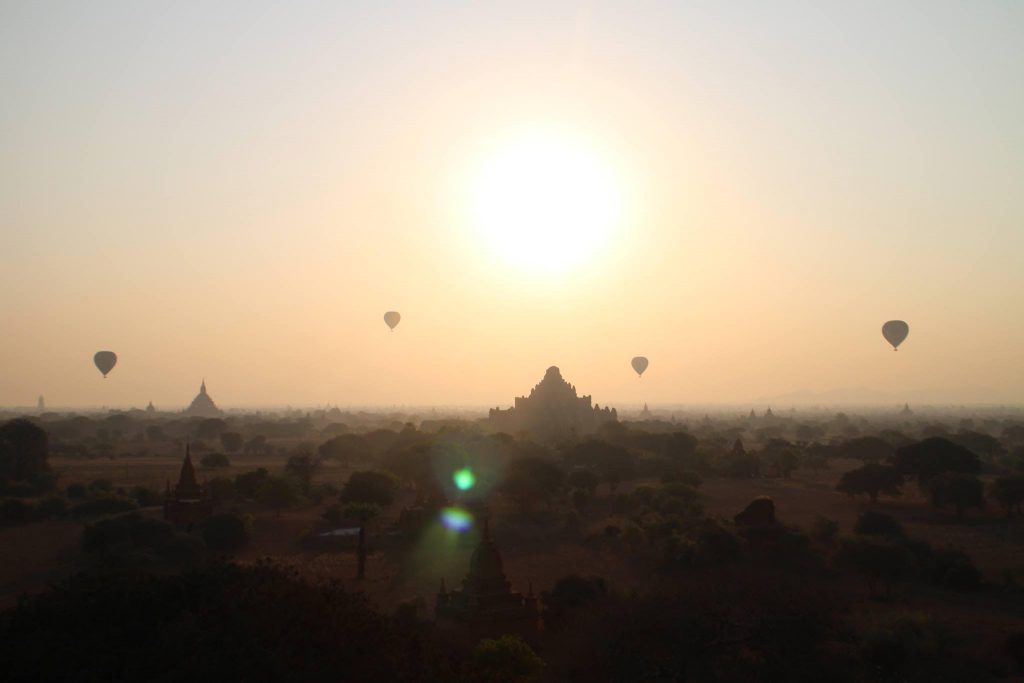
x,y
553,408
486,603
41,405
906,410
188,503
202,405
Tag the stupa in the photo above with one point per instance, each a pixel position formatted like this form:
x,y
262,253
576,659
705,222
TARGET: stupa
x,y
486,602
202,405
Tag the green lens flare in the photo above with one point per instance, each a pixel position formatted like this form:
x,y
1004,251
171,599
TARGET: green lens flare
x,y
464,479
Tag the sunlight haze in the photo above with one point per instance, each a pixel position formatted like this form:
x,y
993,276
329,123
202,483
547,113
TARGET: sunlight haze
x,y
742,192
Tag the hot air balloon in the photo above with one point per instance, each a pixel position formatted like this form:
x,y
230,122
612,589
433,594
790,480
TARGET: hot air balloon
x,y
639,364
392,318
895,331
105,361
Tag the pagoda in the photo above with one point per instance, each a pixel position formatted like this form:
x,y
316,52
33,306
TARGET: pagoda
x,y
486,603
188,502
202,405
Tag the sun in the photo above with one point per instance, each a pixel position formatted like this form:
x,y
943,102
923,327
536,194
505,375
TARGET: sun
x,y
545,201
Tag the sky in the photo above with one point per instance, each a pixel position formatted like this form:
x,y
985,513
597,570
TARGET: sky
x,y
238,191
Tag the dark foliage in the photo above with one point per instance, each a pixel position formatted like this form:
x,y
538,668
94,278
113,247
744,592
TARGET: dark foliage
x,y
225,623
934,456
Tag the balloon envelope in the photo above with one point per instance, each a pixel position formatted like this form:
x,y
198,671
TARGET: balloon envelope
x,y
105,361
392,318
895,331
639,364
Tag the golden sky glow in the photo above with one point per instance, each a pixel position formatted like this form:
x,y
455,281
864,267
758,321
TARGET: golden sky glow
x,y
741,192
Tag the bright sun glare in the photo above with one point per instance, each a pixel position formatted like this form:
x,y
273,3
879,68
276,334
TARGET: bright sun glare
x,y
546,202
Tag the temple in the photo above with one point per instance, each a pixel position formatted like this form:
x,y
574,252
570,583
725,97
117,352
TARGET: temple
x,y
552,409
202,405
486,602
188,503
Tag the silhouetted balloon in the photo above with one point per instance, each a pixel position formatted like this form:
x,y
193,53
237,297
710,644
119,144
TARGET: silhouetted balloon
x,y
895,331
392,318
105,361
639,364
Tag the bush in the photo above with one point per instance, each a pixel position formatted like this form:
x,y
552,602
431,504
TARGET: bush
x,y
76,491
878,524
224,532
507,658
215,460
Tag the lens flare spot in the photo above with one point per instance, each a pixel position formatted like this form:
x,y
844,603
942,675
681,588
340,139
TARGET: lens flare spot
x,y
464,479
456,519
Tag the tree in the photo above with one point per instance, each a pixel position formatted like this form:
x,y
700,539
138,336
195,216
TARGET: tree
x,y
214,460
361,512
302,467
368,486
781,455
277,493
24,450
248,484
507,659
257,445
613,463
1009,492
932,457
962,491
871,479
569,595
532,478
231,441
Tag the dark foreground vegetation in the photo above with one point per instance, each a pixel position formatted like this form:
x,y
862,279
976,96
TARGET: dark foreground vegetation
x,y
690,588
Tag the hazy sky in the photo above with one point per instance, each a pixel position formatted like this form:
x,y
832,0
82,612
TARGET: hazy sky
x,y
239,190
